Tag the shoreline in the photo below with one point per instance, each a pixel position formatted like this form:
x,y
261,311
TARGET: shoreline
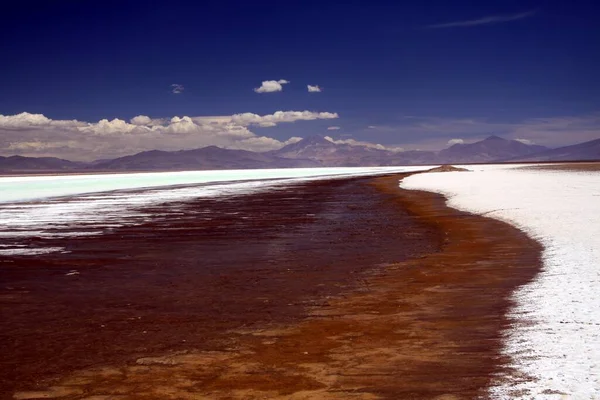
x,y
8,174
421,324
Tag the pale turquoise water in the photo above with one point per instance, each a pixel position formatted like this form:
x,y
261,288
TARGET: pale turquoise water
x,y
49,207
39,187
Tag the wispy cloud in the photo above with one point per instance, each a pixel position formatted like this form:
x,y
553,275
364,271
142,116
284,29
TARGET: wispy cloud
x,y
353,142
314,89
526,141
334,128
493,19
176,88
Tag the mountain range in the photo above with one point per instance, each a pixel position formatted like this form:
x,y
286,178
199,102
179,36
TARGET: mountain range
x,y
313,151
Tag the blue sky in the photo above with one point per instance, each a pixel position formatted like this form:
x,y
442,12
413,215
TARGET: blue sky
x,y
408,74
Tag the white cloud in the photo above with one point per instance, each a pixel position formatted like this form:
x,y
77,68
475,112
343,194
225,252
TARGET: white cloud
x,y
271,86
313,89
23,120
353,142
455,141
27,120
247,119
141,120
293,139
263,143
106,127
333,128
176,88
396,149
494,19
524,141
36,135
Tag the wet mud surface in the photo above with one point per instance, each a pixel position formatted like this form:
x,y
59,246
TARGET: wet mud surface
x,y
194,271
340,289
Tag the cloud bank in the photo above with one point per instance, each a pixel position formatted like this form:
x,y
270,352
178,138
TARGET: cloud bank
x,y
271,86
494,19
37,135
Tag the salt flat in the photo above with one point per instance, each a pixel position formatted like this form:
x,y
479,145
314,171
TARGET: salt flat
x,y
554,343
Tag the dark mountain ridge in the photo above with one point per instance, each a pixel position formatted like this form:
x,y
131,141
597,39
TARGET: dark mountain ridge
x,y
493,148
586,151
211,157
313,151
25,164
330,154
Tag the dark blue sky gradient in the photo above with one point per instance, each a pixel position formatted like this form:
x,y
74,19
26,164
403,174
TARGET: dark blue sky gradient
x,y
376,60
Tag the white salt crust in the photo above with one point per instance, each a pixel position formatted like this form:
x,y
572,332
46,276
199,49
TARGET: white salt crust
x,y
554,343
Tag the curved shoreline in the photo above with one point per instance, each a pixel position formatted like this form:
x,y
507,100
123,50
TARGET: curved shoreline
x,y
553,344
481,266
425,327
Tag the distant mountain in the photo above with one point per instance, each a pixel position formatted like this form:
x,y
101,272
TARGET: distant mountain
x,y
211,157
491,149
33,164
310,147
327,153
330,154
579,152
312,151
410,157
